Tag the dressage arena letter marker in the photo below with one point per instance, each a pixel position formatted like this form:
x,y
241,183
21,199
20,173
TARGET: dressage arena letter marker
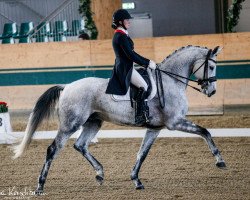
x,y
2,126
5,129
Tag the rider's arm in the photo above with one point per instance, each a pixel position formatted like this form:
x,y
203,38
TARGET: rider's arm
x,y
131,54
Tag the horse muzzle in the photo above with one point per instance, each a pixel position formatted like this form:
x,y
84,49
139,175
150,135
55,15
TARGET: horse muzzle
x,y
212,93
209,91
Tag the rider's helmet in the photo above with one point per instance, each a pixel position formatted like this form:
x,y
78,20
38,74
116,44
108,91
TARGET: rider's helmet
x,y
120,15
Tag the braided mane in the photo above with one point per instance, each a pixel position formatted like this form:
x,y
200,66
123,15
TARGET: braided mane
x,y
178,50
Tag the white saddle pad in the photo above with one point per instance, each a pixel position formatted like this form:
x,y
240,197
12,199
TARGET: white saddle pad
x,y
126,97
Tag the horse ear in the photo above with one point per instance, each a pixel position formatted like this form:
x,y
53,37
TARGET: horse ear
x,y
216,50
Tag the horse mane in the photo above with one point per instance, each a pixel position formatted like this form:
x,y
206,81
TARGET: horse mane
x,y
180,49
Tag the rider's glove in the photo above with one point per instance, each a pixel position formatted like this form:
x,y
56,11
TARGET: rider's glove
x,y
152,64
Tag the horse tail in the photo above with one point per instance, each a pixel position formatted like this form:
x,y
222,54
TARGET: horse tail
x,y
45,105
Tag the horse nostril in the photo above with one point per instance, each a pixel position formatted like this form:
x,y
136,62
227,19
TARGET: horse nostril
x,y
212,93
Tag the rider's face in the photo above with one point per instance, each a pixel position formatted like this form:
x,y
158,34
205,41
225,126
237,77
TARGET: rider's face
x,y
126,23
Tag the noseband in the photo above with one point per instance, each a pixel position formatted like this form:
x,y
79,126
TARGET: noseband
x,y
203,82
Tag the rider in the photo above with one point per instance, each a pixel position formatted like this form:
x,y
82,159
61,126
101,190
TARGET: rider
x,y
124,72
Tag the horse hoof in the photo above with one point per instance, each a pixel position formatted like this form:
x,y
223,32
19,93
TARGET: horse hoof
x,y
99,179
38,192
221,165
140,187
138,184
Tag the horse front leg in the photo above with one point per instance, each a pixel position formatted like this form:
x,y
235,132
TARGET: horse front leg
x,y
147,142
187,126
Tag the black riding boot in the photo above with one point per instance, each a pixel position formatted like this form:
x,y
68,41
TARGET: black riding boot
x,y
141,108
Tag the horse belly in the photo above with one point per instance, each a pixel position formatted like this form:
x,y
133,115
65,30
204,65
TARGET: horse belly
x,y
115,112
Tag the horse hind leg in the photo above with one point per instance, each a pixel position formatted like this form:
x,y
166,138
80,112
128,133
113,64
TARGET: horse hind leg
x,y
187,126
52,152
90,129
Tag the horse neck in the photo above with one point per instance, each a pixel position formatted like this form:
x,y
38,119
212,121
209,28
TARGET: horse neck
x,y
181,62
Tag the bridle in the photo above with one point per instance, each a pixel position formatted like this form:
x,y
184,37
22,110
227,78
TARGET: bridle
x,y
203,82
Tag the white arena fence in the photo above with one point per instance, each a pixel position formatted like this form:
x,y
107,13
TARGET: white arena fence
x,y
8,138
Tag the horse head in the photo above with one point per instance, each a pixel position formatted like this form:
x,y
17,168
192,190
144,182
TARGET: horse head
x,y
204,69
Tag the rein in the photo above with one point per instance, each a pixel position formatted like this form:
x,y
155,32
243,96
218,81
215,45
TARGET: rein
x,y
202,82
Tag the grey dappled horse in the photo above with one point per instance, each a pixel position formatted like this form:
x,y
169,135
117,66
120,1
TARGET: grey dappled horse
x,y
84,103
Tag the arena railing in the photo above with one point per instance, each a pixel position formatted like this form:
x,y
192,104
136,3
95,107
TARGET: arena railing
x,y
61,23
55,27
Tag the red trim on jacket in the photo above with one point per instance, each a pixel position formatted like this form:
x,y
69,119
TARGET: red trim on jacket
x,y
120,31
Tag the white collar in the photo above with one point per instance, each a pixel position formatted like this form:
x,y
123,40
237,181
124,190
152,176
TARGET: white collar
x,y
122,29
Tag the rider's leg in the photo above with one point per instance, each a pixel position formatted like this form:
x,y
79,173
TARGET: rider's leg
x,y
142,110
138,81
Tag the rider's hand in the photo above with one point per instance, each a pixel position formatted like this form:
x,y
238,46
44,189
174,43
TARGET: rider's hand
x,y
152,64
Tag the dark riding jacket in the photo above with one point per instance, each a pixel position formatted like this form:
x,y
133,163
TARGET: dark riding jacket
x,y
125,56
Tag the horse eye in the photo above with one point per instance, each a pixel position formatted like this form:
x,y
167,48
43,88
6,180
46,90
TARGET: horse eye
x,y
211,67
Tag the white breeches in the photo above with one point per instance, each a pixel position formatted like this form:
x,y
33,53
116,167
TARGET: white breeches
x,y
137,80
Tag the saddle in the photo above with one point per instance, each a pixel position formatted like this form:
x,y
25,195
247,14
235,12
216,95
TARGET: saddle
x,y
133,91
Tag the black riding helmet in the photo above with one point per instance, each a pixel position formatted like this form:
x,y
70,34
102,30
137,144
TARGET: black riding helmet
x,y
120,15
